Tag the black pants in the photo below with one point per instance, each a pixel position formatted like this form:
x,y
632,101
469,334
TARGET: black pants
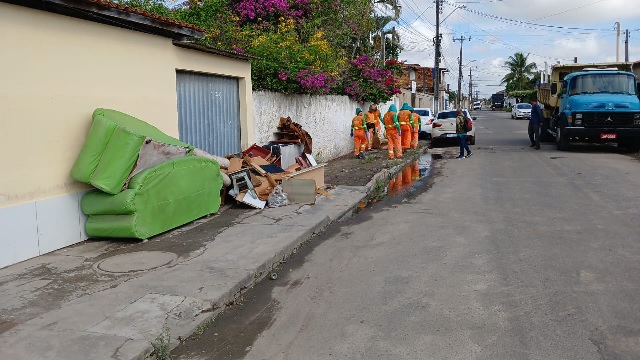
x,y
534,134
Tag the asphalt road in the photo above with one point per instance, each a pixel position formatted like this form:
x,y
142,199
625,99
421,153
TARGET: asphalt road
x,y
511,254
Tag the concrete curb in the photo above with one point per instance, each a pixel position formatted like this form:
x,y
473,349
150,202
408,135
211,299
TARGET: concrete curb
x,y
386,174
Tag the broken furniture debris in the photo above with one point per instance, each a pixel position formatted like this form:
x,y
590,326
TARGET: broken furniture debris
x,y
285,163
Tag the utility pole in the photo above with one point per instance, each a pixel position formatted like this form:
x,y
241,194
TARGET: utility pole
x,y
436,68
626,45
470,87
459,93
617,42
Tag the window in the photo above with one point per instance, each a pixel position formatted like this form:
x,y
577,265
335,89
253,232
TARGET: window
x,y
603,83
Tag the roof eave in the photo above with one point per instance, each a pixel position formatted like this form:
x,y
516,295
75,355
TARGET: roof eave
x,y
211,50
97,12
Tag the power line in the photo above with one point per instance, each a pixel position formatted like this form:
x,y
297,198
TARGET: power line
x,y
500,18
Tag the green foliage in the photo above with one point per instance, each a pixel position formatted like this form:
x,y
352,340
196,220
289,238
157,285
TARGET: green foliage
x,y
162,344
300,46
452,96
520,73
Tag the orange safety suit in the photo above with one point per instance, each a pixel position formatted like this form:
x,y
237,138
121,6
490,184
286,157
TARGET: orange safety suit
x,y
405,117
416,124
392,132
373,123
358,129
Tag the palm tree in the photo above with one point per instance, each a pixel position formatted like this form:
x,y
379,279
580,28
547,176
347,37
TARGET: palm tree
x,y
520,72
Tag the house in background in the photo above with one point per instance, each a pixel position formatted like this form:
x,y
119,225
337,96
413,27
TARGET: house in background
x,y
65,58
424,94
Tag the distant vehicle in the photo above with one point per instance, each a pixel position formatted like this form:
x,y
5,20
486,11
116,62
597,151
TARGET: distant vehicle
x,y
444,127
477,105
594,103
497,101
426,116
521,111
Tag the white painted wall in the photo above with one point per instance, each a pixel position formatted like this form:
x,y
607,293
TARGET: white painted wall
x,y
326,118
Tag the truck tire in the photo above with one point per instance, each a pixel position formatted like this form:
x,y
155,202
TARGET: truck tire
x,y
562,140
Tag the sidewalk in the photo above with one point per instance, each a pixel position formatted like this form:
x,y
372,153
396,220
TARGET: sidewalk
x,y
112,300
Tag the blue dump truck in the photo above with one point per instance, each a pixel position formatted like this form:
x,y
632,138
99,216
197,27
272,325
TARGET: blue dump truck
x,y
497,101
595,103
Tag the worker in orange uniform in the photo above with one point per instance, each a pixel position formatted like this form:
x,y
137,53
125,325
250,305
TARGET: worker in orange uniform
x,y
392,132
405,118
416,124
359,134
373,123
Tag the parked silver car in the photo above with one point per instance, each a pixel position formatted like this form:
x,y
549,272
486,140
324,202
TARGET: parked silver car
x,y
521,111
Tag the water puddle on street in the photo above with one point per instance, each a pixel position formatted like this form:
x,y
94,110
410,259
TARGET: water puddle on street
x,y
403,182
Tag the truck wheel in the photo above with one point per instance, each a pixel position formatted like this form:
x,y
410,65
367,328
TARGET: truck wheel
x,y
562,140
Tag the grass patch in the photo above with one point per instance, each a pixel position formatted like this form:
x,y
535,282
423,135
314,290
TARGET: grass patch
x,y
162,344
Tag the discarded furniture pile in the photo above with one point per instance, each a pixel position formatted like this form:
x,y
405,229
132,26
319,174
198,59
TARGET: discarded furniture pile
x,y
278,173
145,181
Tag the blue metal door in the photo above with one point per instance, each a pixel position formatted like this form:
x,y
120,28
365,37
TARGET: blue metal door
x,y
209,112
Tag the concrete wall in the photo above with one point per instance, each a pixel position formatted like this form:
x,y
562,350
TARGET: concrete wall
x,y
55,71
326,118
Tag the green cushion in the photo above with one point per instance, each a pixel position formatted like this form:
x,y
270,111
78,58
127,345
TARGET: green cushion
x,y
158,199
111,149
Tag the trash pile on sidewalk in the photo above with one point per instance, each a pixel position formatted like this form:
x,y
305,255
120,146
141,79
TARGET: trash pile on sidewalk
x,y
279,173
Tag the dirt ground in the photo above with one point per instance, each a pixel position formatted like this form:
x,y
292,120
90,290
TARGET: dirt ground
x,y
347,170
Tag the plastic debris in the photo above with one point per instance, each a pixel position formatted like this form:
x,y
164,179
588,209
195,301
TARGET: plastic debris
x,y
278,197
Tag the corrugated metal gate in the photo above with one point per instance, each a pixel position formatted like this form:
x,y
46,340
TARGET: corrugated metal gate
x,y
209,112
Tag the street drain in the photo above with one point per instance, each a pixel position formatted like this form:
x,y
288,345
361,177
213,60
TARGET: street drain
x,y
136,261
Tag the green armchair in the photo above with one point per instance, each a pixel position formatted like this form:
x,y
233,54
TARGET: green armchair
x,y
147,181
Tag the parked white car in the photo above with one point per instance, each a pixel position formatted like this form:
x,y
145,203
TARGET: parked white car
x,y
521,111
444,127
426,116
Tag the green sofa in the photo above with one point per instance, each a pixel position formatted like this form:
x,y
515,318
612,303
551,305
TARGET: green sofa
x,y
147,182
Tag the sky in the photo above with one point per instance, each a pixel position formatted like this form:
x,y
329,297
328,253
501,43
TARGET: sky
x,y
548,31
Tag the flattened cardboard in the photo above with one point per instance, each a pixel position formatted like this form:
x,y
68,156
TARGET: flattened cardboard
x,y
235,164
315,173
300,191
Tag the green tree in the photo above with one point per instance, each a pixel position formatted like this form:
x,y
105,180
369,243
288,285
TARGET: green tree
x,y
452,96
520,74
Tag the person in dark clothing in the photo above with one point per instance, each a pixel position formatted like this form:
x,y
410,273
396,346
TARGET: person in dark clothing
x,y
535,122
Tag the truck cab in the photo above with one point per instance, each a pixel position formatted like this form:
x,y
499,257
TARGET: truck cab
x,y
598,105
592,104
